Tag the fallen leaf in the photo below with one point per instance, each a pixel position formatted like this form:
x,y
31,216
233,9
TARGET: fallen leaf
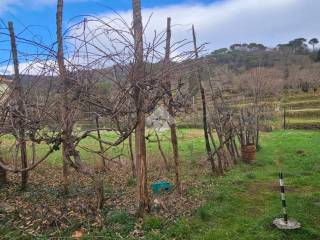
x,y
77,234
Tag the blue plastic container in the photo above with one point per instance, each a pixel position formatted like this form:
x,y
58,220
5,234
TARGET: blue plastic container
x,y
161,186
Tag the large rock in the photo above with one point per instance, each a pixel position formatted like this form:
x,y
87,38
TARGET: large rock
x,y
159,119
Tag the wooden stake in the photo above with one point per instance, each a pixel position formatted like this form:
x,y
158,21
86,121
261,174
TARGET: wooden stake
x,y
20,113
66,125
172,123
204,105
141,155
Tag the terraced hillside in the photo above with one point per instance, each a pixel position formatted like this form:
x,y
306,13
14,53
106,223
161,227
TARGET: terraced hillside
x,y
294,111
302,111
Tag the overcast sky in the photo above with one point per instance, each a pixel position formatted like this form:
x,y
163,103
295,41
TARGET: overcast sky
x,y
219,23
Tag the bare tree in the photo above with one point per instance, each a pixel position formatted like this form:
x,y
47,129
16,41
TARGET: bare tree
x,y
67,118
135,74
222,121
257,85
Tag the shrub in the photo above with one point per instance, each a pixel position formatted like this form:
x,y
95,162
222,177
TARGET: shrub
x,y
203,213
120,217
151,223
131,182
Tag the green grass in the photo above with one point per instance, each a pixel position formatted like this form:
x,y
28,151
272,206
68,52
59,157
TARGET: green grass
x,y
243,204
191,148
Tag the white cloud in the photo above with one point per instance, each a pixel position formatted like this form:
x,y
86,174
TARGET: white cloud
x,y
226,22
232,21
32,68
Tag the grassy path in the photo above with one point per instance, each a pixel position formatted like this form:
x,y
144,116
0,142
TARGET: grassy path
x,y
243,204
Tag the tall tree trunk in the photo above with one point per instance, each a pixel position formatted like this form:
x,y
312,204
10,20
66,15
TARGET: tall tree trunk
x,y
204,106
20,113
66,125
172,124
143,197
142,184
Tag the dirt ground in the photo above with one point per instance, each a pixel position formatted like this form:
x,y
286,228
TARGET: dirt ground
x,y
42,209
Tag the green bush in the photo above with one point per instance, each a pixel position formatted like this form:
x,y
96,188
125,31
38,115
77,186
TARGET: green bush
x,y
204,214
131,182
120,217
251,176
151,223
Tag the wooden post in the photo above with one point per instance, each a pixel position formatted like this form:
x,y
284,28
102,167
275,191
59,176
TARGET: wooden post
x,y
20,113
204,105
172,123
140,141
